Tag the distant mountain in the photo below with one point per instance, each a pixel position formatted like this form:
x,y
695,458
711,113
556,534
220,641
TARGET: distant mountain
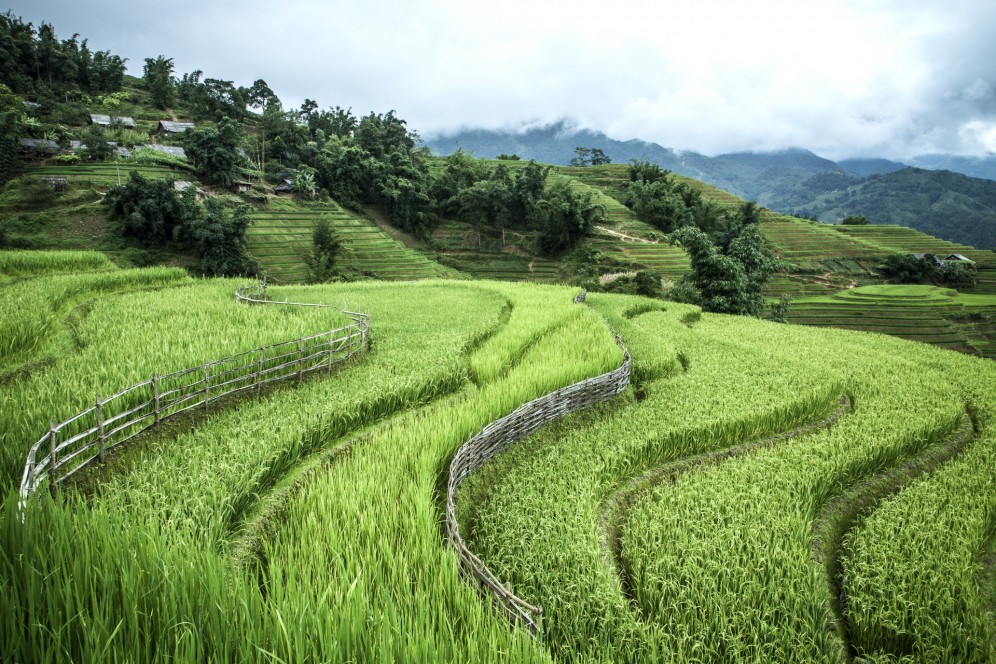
x,y
976,167
866,167
946,204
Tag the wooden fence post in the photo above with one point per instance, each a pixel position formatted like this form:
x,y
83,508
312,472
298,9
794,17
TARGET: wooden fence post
x,y
100,428
51,464
207,383
300,358
259,370
331,347
155,399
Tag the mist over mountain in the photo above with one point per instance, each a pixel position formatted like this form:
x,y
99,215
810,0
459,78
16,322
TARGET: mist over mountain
x,y
950,196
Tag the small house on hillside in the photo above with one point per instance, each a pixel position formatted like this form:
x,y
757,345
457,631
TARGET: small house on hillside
x,y
170,127
38,145
241,187
111,121
930,257
958,258
285,187
183,185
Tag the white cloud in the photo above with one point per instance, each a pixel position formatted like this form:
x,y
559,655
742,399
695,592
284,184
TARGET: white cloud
x,y
842,77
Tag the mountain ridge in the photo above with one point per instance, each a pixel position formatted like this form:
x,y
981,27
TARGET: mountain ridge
x,y
792,180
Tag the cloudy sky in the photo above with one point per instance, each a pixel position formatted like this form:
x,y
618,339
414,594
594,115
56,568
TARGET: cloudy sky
x,y
892,78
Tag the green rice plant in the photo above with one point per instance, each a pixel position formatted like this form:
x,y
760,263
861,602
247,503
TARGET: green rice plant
x,y
35,305
534,513
376,541
737,536
915,569
535,312
37,263
191,491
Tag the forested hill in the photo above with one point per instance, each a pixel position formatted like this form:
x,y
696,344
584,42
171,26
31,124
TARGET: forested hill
x,y
947,204
940,203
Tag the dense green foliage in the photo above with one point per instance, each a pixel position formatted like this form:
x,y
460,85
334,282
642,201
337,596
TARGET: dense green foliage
x,y
151,211
12,118
729,262
158,75
34,60
220,239
325,247
564,218
909,269
214,151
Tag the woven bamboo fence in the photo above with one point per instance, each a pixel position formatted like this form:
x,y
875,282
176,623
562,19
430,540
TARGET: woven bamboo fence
x,y
497,436
71,445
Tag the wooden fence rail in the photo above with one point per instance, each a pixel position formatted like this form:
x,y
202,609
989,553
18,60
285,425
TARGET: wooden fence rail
x,y
73,444
497,436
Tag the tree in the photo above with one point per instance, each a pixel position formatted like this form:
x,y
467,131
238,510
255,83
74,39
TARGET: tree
x,y
158,74
780,309
304,182
151,212
221,240
12,119
856,220
656,203
483,203
564,217
215,151
585,157
646,171
725,278
97,147
260,96
325,247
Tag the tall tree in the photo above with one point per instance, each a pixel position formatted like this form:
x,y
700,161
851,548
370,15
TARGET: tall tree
x,y
564,217
221,240
159,82
215,151
325,247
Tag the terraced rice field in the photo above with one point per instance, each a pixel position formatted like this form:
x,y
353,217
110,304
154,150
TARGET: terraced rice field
x,y
900,239
938,316
281,240
813,246
105,175
762,492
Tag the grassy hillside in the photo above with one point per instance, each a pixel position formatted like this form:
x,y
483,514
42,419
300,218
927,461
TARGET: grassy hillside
x,y
280,240
748,470
939,203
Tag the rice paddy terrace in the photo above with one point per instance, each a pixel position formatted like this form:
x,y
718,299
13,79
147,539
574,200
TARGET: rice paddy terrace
x,y
826,260
281,240
760,492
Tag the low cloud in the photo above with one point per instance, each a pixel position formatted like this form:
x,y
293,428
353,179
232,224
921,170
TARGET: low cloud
x,y
841,77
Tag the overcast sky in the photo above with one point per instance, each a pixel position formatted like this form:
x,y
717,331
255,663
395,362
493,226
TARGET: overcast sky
x,y
892,78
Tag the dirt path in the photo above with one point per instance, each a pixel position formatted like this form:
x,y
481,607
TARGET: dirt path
x,y
623,236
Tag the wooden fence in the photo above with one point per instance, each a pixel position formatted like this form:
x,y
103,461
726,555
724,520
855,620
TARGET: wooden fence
x,y
73,444
497,436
